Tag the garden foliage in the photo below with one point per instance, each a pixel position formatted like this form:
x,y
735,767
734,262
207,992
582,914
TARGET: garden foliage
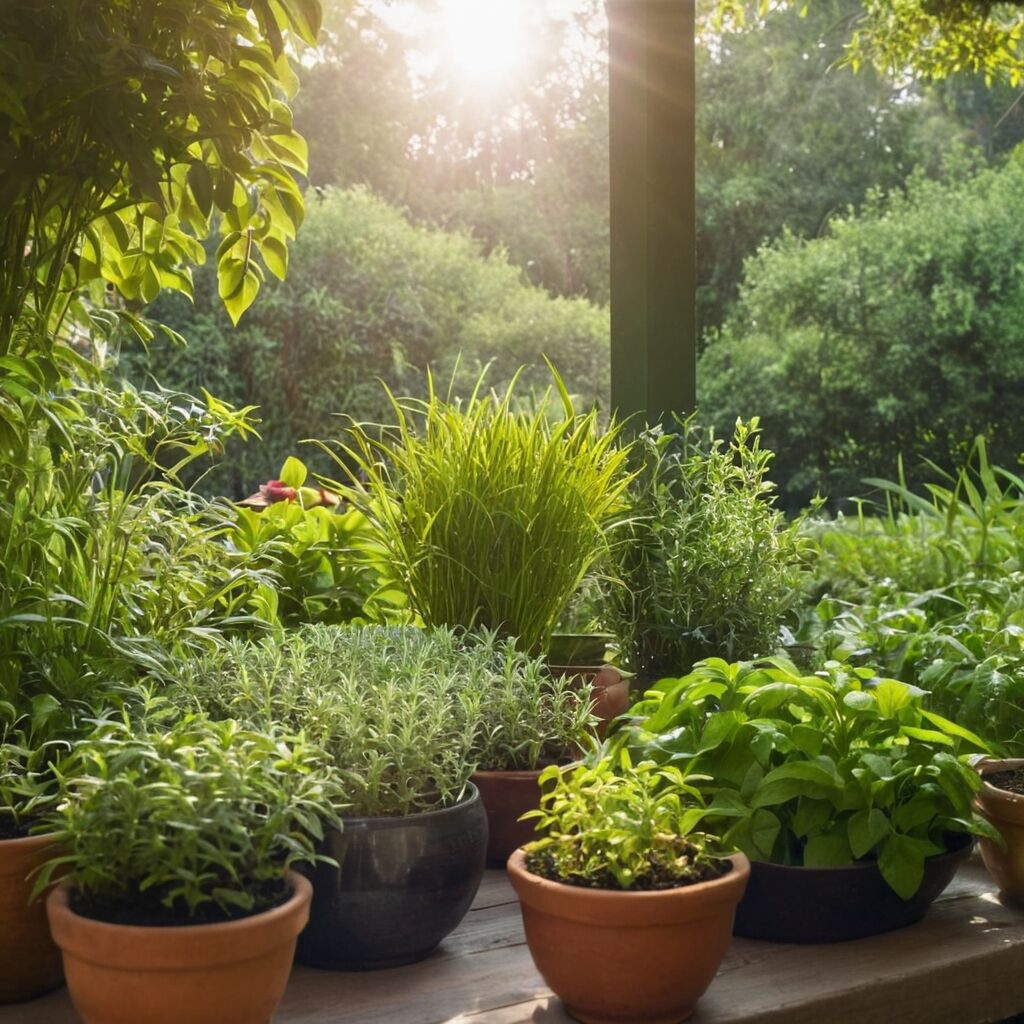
x,y
897,332
370,297
815,769
705,565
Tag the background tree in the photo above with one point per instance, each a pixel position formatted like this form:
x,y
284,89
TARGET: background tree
x,y
370,297
899,332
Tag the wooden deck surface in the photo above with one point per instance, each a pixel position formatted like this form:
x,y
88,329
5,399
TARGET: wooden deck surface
x,y
964,964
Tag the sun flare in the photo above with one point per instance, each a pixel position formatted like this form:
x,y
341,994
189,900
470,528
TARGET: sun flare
x,y
485,39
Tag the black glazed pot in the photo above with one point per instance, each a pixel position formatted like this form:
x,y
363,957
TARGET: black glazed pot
x,y
401,885
798,904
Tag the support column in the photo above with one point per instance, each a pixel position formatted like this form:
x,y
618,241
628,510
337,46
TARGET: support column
x,y
653,218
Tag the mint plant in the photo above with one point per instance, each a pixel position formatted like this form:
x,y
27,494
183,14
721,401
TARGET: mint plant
x,y
818,770
613,825
194,823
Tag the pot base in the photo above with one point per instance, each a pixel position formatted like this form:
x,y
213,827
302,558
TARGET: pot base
x,y
400,886
812,905
589,1018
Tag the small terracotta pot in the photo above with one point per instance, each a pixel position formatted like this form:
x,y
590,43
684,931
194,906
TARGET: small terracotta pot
x,y
31,962
230,973
1005,810
628,957
608,688
506,796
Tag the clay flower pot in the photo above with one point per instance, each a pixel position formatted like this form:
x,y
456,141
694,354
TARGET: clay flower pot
x,y
230,973
1005,810
506,796
628,957
31,962
608,689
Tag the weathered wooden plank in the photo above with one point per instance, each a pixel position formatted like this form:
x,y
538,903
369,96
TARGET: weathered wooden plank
x,y
962,965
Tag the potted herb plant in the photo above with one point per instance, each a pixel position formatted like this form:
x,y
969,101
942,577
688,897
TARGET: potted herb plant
x,y
178,904
27,789
1001,801
627,911
387,705
853,801
489,516
524,720
706,566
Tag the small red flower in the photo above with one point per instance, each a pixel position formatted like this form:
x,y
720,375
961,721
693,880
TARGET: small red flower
x,y
277,490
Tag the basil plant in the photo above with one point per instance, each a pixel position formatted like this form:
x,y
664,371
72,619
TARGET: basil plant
x,y
818,770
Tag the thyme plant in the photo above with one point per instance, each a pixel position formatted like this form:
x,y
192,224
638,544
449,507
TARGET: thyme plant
x,y
707,566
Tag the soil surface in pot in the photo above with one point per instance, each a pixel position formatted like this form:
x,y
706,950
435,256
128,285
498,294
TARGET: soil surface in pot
x,y
145,909
542,864
1011,781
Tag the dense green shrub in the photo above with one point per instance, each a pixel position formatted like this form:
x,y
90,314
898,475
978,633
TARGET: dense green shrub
x,y
706,566
369,296
899,331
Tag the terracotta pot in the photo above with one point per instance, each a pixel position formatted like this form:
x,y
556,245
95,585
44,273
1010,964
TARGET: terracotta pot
x,y
506,796
787,903
628,957
1005,810
31,962
401,885
610,691
230,973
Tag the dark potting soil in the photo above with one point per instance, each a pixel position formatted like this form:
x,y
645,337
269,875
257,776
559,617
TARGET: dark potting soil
x,y
145,909
1012,781
543,863
8,830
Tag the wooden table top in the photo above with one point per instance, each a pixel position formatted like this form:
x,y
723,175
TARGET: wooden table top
x,y
964,964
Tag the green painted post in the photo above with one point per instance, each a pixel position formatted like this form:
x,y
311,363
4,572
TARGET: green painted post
x,y
653,219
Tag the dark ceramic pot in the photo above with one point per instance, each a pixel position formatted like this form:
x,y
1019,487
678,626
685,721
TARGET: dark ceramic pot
x,y
401,886
797,904
506,796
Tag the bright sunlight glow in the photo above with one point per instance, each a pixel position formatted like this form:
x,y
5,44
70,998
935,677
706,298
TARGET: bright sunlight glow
x,y
485,39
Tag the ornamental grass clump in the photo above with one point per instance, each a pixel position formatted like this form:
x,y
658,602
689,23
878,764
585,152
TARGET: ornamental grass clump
x,y
611,825
194,824
489,516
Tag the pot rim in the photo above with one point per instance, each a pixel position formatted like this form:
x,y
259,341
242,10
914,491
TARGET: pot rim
x,y
991,766
29,842
403,820
59,902
962,843
509,774
740,870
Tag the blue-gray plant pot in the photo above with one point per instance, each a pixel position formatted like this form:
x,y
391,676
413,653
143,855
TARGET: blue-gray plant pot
x,y
401,885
